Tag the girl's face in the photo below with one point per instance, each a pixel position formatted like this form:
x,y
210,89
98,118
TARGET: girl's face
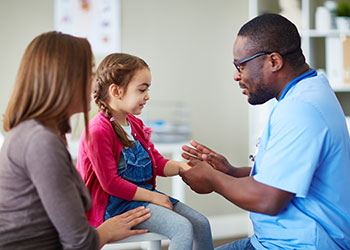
x,y
133,98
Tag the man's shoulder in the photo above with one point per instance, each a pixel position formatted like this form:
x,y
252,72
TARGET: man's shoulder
x,y
297,109
312,99
312,89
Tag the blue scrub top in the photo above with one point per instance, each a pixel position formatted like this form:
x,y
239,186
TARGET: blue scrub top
x,y
304,149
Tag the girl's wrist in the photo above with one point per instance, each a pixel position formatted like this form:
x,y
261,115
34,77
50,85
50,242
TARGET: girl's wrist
x,y
178,169
143,194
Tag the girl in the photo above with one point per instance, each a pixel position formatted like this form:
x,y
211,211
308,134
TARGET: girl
x,y
42,197
119,163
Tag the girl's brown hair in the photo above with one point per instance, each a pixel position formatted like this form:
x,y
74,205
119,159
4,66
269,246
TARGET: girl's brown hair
x,y
53,67
117,68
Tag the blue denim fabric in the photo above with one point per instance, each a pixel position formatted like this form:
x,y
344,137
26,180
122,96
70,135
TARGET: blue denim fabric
x,y
135,165
138,164
243,244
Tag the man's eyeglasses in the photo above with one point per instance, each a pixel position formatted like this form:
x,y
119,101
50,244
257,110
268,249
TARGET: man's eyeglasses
x,y
245,60
239,63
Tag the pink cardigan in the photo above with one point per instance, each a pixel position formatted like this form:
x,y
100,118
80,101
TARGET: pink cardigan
x,y
98,160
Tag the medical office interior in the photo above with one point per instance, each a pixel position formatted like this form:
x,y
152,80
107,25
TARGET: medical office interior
x,y
188,46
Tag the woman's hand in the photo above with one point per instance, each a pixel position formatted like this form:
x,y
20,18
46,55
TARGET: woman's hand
x,y
120,227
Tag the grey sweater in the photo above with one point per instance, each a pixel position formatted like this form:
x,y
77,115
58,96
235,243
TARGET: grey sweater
x,y
42,197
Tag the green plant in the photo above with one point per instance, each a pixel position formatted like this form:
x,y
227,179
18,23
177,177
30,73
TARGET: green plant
x,y
343,9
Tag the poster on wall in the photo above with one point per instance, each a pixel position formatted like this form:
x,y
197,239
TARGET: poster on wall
x,y
96,20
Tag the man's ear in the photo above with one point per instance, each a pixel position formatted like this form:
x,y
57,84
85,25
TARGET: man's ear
x,y
115,91
276,61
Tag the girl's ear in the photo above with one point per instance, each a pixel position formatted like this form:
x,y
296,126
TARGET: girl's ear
x,y
115,91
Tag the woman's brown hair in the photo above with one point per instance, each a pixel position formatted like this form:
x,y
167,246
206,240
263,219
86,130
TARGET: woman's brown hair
x,y
53,67
117,68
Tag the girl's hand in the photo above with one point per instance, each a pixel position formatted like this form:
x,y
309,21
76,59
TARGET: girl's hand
x,y
184,166
161,200
173,168
120,227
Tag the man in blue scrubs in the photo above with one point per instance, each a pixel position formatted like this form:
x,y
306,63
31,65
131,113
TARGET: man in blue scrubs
x,y
298,189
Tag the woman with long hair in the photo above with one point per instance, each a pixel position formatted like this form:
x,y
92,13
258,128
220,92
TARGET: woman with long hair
x,y
42,197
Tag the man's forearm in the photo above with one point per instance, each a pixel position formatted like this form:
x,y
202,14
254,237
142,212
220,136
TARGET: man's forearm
x,y
240,172
235,189
249,194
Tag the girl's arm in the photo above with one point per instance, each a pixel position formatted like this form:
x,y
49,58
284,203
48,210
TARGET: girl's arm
x,y
100,150
143,194
173,167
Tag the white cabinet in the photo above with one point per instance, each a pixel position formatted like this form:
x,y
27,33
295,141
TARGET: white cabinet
x,y
316,46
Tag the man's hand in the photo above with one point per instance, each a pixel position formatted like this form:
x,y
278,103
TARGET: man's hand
x,y
201,152
199,176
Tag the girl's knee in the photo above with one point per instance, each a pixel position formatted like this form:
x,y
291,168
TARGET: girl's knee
x,y
185,226
183,235
201,221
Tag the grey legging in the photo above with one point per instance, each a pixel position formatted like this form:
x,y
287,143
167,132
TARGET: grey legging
x,y
186,228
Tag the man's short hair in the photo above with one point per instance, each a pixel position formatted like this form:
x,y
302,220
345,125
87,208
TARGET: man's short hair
x,y
274,33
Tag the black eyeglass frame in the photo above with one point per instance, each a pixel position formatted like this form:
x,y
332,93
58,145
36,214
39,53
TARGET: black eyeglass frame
x,y
245,60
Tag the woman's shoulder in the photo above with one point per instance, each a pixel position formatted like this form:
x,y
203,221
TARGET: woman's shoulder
x,y
31,137
32,130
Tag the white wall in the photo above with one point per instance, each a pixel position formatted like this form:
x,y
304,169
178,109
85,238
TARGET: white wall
x,y
20,22
188,45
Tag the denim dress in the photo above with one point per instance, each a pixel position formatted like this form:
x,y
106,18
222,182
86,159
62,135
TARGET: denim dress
x,y
135,166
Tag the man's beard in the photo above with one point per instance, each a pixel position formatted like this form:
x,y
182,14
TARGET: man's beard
x,y
261,94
